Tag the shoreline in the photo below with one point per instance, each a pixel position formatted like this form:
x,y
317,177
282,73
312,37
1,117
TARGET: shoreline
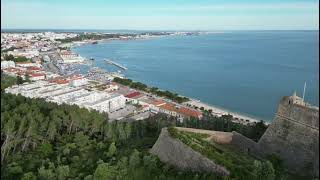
x,y
87,42
218,111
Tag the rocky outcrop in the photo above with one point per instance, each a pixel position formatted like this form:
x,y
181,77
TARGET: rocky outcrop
x,y
172,151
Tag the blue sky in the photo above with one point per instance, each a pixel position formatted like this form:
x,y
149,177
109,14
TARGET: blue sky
x,y
161,15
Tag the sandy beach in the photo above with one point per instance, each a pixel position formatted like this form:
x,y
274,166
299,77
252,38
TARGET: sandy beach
x,y
219,112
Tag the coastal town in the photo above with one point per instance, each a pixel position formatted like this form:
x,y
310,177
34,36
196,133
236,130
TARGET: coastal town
x,y
50,70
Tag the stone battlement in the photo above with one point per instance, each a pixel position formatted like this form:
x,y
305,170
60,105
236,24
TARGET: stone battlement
x,y
294,109
294,136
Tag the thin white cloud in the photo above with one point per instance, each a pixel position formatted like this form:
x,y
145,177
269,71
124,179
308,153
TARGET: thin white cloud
x,y
175,23
42,7
298,15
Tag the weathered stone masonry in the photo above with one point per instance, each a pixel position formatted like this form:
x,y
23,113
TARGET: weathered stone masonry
x,y
294,136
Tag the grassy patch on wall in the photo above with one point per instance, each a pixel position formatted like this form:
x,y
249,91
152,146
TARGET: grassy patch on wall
x,y
240,165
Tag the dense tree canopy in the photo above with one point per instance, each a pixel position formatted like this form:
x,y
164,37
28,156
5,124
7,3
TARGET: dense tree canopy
x,y
21,59
153,90
7,81
10,57
42,140
253,131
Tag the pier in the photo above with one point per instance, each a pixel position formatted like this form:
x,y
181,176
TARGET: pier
x,y
116,64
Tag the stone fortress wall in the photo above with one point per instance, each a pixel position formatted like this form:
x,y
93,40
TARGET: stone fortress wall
x,y
294,136
181,156
243,143
293,108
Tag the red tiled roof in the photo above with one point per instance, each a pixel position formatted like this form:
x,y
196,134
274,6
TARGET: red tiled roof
x,y
181,110
62,81
59,80
169,107
34,68
190,112
131,95
36,75
158,102
76,78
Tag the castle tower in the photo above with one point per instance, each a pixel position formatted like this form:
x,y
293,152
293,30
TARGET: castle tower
x,y
294,136
294,99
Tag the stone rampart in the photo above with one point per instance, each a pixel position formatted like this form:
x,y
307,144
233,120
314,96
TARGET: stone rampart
x,y
294,136
181,156
303,114
245,144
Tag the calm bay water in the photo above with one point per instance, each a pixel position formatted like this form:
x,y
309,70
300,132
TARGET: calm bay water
x,y
245,72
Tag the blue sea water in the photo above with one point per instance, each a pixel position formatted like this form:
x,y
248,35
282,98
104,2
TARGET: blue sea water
x,y
242,71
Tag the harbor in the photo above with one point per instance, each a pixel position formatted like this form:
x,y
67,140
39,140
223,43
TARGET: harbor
x,y
101,75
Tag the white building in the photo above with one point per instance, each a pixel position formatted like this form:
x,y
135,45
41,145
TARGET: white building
x,y
28,64
69,57
108,104
58,93
7,64
91,97
26,88
51,75
78,82
111,87
63,97
28,54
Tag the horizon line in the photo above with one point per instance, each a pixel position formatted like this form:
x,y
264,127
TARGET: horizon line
x,y
100,29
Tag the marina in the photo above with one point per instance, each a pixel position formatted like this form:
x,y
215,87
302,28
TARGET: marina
x,y
98,74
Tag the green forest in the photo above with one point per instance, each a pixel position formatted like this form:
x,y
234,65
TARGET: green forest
x,y
140,86
42,140
224,123
10,57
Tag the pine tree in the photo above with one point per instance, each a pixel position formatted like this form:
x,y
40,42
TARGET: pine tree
x,y
112,150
